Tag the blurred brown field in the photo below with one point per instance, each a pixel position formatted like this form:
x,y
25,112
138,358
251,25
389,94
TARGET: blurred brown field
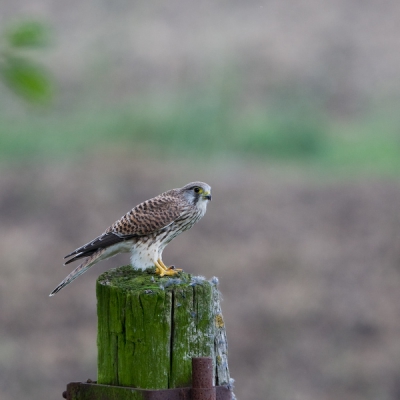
x,y
309,273
308,258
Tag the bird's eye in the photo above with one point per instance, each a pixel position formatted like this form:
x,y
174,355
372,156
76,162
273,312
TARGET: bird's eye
x,y
197,189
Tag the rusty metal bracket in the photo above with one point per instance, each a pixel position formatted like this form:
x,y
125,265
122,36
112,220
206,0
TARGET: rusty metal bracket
x,y
202,388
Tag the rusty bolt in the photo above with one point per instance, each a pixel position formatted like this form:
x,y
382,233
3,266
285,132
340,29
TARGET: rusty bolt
x,y
202,379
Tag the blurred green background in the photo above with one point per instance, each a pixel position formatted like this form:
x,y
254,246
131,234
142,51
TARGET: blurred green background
x,y
289,110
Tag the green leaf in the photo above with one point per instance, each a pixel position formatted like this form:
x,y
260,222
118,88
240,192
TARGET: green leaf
x,y
27,79
28,34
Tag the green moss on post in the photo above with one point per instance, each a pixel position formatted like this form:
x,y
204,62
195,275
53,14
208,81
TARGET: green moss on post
x,y
150,327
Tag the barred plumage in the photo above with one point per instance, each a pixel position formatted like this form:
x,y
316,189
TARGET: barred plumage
x,y
145,231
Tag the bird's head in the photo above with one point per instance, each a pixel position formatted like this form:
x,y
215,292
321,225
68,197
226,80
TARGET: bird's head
x,y
197,193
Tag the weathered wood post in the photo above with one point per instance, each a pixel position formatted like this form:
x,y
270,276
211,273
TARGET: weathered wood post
x,y
150,327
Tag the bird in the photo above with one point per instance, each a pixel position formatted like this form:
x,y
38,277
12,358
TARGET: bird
x,y
145,231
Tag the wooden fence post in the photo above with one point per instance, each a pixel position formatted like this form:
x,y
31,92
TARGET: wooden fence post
x,y
150,327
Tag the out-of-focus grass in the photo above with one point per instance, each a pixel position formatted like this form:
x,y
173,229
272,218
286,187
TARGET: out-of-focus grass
x,y
370,145
208,126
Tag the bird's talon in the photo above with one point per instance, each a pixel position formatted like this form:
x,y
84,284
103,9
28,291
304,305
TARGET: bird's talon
x,y
163,270
173,268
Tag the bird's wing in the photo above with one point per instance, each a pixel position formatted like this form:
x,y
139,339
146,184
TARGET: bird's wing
x,y
147,217
105,240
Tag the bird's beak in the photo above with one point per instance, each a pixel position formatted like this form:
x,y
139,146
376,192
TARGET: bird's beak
x,y
207,196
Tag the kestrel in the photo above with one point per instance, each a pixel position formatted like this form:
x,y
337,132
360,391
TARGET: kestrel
x,y
145,231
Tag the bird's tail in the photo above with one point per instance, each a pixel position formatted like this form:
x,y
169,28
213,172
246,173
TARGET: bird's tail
x,y
81,269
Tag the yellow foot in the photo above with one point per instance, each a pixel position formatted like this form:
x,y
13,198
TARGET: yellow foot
x,y
162,269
